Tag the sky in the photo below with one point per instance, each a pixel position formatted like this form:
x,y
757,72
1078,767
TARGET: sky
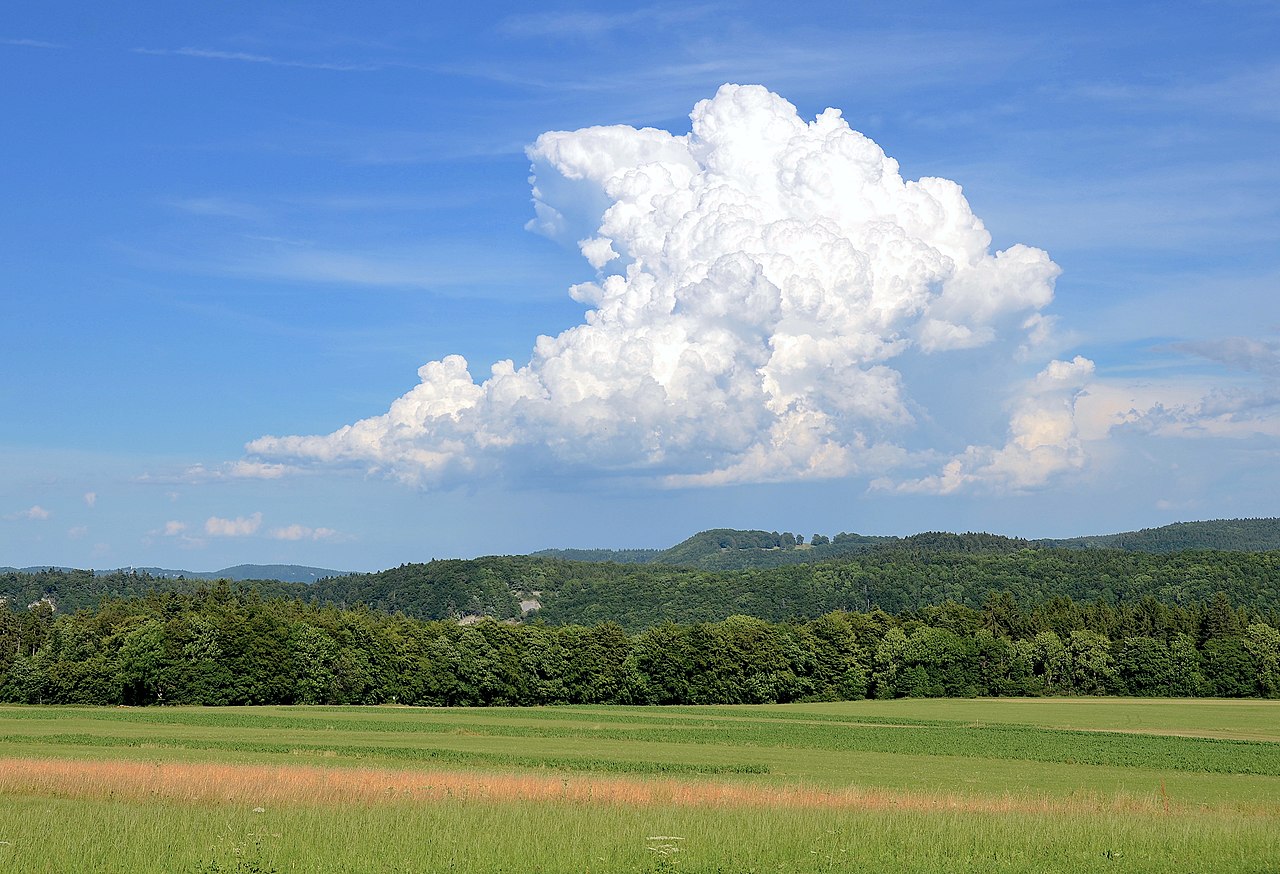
x,y
353,286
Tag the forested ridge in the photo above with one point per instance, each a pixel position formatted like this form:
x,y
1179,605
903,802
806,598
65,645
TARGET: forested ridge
x,y
900,578
732,549
1242,535
228,645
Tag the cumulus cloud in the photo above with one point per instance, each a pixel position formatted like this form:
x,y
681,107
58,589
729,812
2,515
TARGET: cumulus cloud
x,y
180,532
241,526
1043,439
760,283
34,512
302,532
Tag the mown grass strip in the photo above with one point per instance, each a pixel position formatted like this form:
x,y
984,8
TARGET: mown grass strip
x,y
415,754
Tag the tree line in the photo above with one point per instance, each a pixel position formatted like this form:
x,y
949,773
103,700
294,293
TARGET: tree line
x,y
224,645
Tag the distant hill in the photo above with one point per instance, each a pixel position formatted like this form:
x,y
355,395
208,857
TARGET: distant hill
x,y
731,549
725,549
283,573
1230,535
69,590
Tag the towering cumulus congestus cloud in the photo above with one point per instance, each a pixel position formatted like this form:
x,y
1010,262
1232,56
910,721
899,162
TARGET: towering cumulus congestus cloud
x,y
757,281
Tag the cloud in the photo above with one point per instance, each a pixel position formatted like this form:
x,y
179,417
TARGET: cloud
x,y
241,526
255,470
181,532
593,25
1222,411
91,499
245,57
198,474
1043,440
763,284
1243,406
35,513
1240,353
77,532
219,207
32,43
302,532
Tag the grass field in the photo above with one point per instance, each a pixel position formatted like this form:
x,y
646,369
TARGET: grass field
x,y
974,785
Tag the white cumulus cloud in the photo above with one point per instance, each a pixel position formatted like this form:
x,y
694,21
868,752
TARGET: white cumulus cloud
x,y
302,532
761,282
1043,439
241,526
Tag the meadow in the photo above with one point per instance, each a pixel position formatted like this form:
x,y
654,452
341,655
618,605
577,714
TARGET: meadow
x,y
1080,784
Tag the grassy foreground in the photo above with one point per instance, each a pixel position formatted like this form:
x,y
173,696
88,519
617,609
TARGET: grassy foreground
x,y
980,785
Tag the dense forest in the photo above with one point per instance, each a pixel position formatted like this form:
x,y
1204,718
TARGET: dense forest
x,y
1237,535
731,549
226,645
931,614
905,576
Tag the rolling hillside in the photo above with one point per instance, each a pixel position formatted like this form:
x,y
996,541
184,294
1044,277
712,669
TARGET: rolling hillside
x,y
723,572
1235,535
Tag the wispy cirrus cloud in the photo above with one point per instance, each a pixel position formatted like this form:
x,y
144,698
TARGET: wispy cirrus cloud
x,y
437,265
219,207
1239,353
268,60
198,474
32,43
593,25
1248,91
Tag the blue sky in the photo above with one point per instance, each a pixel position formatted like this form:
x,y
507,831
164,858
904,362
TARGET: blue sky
x,y
263,219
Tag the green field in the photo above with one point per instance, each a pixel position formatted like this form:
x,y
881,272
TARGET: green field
x,y
908,785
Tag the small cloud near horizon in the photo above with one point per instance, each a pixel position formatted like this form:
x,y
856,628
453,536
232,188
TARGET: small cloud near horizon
x,y
241,526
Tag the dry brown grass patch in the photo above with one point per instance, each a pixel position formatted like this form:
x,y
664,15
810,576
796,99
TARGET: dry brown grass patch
x,y
309,784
